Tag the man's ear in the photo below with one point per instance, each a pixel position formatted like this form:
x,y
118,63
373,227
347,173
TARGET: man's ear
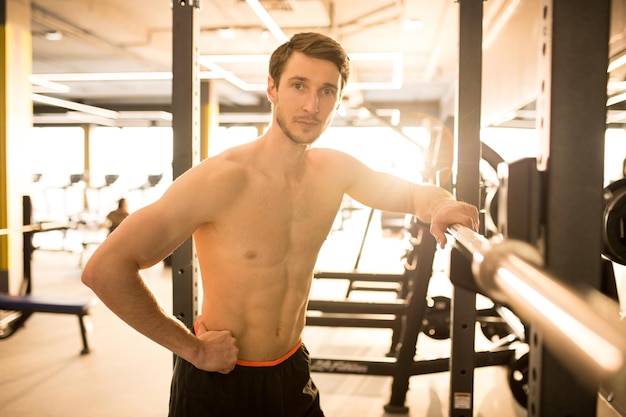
x,y
271,89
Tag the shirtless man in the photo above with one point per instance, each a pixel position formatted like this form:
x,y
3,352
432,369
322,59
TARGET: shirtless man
x,y
259,214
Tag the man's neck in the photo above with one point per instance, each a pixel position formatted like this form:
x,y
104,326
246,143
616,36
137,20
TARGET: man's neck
x,y
279,155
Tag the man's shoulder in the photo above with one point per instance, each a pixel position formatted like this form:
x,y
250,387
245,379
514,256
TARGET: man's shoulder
x,y
224,164
333,158
327,155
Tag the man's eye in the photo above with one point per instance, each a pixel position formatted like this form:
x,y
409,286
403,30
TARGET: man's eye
x,y
328,92
298,86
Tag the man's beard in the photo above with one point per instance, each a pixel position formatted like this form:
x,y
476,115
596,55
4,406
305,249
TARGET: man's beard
x,y
298,140
293,137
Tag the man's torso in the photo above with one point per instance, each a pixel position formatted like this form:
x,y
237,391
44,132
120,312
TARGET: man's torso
x,y
257,257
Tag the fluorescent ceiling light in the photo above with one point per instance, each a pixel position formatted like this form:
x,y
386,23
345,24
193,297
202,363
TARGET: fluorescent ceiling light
x,y
411,25
397,61
616,116
227,33
84,108
238,58
126,118
396,58
106,76
49,80
617,86
617,98
53,35
356,56
267,20
48,85
224,74
616,63
143,115
90,118
210,62
375,56
500,23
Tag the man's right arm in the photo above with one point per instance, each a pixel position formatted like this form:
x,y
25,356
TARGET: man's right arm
x,y
143,239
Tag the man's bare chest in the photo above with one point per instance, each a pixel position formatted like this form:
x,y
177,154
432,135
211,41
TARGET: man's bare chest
x,y
270,222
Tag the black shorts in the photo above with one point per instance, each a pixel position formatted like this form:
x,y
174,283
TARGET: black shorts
x,y
283,390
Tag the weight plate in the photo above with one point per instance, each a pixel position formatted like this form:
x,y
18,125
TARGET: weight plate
x,y
614,222
518,379
495,331
436,323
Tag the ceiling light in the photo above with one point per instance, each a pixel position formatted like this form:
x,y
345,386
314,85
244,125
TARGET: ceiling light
x,y
617,98
363,113
53,35
616,63
395,117
396,58
237,58
267,20
616,86
89,118
106,76
224,74
227,33
79,107
412,24
616,116
142,115
216,71
48,85
500,23
48,80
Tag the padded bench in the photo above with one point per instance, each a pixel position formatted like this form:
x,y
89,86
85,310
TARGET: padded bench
x,y
32,303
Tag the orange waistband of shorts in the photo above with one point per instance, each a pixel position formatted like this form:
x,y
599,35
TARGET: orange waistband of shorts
x,y
273,362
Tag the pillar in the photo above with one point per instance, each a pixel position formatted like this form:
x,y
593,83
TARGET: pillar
x,y
15,122
209,119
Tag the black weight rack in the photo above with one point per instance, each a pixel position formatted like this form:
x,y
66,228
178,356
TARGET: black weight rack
x,y
405,316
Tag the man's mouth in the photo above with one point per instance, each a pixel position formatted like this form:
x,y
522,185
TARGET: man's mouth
x,y
307,122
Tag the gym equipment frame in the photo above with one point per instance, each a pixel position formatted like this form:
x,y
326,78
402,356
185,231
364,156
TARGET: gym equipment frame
x,y
410,313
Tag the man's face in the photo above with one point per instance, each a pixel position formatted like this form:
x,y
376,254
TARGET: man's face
x,y
305,101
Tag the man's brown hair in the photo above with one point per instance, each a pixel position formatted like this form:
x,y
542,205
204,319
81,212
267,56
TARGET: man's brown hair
x,y
314,45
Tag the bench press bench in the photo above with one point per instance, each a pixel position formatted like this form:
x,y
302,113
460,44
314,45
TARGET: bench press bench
x,y
16,309
30,303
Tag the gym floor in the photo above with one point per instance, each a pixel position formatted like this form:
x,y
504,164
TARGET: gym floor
x,y
44,375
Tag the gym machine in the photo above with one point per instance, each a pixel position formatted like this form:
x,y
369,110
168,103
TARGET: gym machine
x,y
16,309
109,180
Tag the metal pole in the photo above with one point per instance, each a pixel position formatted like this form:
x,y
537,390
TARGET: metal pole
x,y
186,129
467,179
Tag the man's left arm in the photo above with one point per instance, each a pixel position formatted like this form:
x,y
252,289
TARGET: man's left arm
x,y
446,211
429,203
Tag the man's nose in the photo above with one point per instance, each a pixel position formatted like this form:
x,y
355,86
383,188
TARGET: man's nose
x,y
312,103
